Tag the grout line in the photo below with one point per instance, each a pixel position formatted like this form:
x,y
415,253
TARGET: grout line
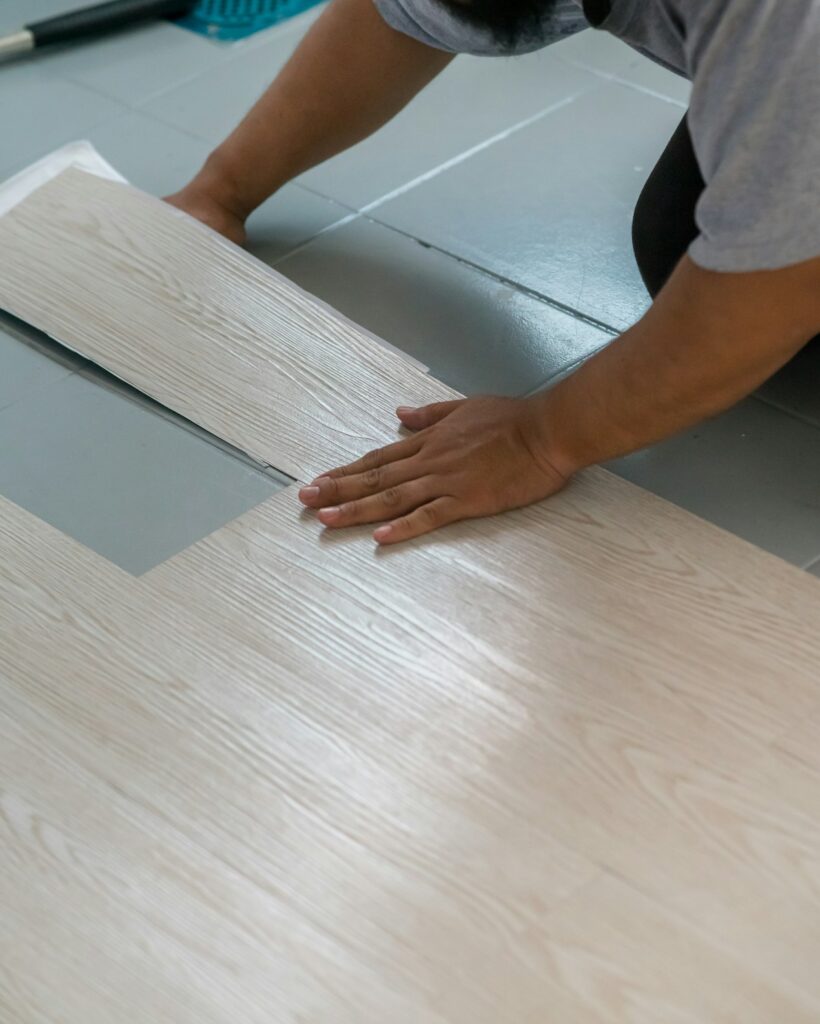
x,y
611,76
461,157
801,417
342,222
533,293
565,371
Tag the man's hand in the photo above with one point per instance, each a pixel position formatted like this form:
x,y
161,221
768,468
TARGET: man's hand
x,y
206,207
467,459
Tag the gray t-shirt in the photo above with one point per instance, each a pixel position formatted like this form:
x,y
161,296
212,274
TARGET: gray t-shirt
x,y
754,114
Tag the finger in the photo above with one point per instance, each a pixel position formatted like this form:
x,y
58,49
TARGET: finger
x,y
395,501
376,459
330,490
424,519
426,415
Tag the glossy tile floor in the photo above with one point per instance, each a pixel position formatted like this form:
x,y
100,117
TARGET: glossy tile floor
x,y
485,231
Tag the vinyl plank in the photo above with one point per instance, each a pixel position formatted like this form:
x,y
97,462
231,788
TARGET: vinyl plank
x,y
529,767
79,230
425,768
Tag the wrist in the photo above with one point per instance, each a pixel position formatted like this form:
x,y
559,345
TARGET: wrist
x,y
550,447
220,182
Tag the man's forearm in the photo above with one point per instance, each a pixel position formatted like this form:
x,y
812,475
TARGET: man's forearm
x,y
708,341
350,74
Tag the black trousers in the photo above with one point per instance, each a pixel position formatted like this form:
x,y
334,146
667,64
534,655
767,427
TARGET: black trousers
x,y
664,221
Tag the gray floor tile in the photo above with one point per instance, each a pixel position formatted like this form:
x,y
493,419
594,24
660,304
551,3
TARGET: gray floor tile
x,y
289,219
135,64
437,126
753,471
604,54
550,207
473,332
151,155
796,388
473,100
38,114
210,105
24,369
117,477
16,13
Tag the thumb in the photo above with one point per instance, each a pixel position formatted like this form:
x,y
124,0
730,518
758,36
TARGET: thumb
x,y
426,415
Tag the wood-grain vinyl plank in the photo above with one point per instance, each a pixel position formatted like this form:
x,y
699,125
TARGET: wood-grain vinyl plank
x,y
551,767
201,326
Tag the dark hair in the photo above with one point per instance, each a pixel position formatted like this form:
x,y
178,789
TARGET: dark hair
x,y
509,21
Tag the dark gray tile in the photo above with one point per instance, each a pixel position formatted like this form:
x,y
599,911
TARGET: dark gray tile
x,y
796,388
475,333
112,473
550,207
755,471
24,369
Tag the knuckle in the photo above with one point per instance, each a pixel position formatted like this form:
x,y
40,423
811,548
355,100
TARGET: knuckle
x,y
430,516
391,497
371,460
372,476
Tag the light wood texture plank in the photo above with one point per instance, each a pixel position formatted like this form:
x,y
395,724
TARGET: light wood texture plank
x,y
364,761
550,767
116,274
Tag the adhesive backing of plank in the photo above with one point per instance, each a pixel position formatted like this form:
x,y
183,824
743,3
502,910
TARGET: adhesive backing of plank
x,y
545,767
198,324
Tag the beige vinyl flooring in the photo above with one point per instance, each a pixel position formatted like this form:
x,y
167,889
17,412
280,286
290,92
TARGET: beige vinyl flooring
x,y
558,766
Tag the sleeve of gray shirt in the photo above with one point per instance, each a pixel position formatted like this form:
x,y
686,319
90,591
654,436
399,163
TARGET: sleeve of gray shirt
x,y
755,124
431,23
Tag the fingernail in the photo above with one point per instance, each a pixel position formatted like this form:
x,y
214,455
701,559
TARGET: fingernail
x,y
318,480
404,410
330,513
382,533
309,493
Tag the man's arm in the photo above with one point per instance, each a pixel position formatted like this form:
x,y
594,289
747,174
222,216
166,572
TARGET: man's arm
x,y
707,341
349,75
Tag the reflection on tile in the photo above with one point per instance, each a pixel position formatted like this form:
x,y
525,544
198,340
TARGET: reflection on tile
x,y
116,476
606,55
814,568
796,388
474,99
476,334
550,207
23,368
754,471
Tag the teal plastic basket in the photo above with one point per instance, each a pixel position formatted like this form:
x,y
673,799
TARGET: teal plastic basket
x,y
235,19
